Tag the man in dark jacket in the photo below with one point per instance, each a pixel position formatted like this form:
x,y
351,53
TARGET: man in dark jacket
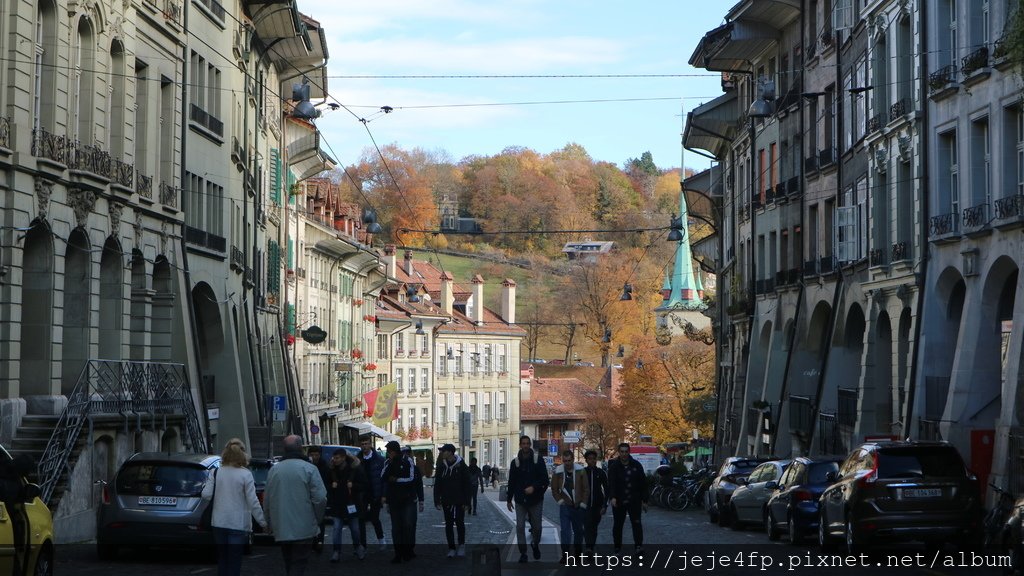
x,y
627,490
453,487
400,496
527,483
373,464
485,476
345,498
475,479
598,505
315,455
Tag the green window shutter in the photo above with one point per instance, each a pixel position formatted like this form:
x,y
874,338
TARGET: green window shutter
x,y
291,182
273,267
275,175
290,321
291,252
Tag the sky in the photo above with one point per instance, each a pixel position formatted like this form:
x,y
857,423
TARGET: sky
x,y
458,116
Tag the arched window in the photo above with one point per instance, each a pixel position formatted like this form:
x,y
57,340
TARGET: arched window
x,y
44,68
84,80
118,123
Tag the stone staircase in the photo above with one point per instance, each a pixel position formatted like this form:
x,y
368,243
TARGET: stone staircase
x,y
31,439
260,445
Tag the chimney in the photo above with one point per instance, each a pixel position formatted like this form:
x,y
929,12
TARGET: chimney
x,y
478,300
408,262
390,260
508,300
447,292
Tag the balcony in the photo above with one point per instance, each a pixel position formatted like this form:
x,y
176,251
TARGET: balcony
x,y
827,39
91,159
827,265
168,195
975,219
876,122
5,132
144,185
898,109
826,157
900,251
877,257
942,82
124,174
943,226
249,276
208,121
204,239
1001,52
811,163
974,66
793,186
1009,211
237,259
810,268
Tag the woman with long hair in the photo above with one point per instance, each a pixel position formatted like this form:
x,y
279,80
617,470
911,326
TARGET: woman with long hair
x,y
233,492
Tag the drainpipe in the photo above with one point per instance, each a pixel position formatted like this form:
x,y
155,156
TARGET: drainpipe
x,y
923,239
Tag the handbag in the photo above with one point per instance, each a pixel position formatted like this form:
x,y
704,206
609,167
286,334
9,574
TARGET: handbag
x,y
206,520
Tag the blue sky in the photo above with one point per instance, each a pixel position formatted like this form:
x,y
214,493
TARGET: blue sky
x,y
515,37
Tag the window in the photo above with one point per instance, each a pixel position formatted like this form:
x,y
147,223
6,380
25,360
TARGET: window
x,y
458,361
382,346
424,345
847,106
812,233
442,410
949,189
979,24
502,412
456,407
880,77
487,406
862,216
472,406
813,121
412,418
831,118
424,379
442,364
981,190
501,452
1020,149
773,159
412,343
425,417
905,64
947,33
399,345
412,380
486,455
761,175
487,358
399,376
502,359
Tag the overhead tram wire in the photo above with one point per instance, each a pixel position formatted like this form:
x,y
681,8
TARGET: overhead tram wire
x,y
436,232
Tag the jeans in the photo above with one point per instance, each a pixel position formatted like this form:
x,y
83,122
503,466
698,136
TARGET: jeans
x,y
571,520
352,522
535,513
591,520
403,527
296,556
472,502
619,512
230,545
454,518
372,515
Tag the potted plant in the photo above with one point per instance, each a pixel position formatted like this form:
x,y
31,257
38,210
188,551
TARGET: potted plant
x,y
426,433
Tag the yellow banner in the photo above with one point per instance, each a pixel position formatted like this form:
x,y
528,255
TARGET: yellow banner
x,y
386,408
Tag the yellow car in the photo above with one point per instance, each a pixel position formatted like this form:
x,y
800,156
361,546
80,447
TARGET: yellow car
x,y
24,518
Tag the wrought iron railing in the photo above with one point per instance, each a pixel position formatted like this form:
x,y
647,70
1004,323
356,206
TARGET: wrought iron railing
x,y
5,132
899,251
942,77
827,265
1010,207
877,257
793,186
205,239
237,259
811,268
117,387
829,439
50,146
124,173
1001,47
898,109
249,276
811,163
876,122
975,216
826,157
168,195
942,224
828,38
206,120
144,185
974,61
800,414
90,158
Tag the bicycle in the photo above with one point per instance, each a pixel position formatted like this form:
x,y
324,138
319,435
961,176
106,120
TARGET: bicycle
x,y
995,519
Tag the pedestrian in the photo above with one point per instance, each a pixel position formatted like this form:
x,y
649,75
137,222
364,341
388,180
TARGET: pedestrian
x,y
627,488
571,491
399,496
527,483
597,483
494,477
453,487
418,483
315,455
235,505
294,503
345,492
485,476
373,464
475,479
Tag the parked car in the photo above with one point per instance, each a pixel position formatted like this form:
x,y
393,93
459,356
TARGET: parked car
x,y
750,499
1011,543
733,469
260,470
155,499
901,491
327,450
537,361
31,513
793,505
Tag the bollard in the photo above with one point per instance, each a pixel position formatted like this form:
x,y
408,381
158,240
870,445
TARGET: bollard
x,y
486,561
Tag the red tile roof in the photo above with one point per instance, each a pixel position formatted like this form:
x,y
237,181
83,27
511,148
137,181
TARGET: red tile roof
x,y
559,399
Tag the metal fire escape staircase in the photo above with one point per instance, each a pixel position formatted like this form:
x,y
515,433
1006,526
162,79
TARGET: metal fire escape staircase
x,y
128,389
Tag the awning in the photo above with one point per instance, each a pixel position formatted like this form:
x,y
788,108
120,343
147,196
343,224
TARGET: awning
x,y
307,53
732,47
699,451
305,157
370,428
274,19
712,125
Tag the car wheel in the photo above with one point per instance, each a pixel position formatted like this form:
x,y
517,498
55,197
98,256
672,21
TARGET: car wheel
x,y
723,516
769,526
712,511
854,541
825,540
44,561
795,537
106,552
735,517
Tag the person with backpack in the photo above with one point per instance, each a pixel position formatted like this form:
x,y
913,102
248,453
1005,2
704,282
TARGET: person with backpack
x,y
527,483
453,487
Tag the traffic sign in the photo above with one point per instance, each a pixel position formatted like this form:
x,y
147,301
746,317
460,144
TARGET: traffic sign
x,y
314,429
553,449
279,406
572,437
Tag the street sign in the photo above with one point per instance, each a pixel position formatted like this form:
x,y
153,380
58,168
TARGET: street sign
x,y
314,429
710,406
279,406
553,449
571,437
314,335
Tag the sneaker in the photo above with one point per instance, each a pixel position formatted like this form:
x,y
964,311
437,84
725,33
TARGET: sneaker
x,y
336,556
536,551
461,551
361,552
382,543
451,553
522,558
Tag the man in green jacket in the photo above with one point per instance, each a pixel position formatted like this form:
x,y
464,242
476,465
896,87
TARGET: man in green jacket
x,y
294,503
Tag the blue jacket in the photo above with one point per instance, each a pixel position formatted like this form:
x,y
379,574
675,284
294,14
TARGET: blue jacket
x,y
373,466
527,472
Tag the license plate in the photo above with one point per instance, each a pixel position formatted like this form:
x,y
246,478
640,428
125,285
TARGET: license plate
x,y
922,492
157,501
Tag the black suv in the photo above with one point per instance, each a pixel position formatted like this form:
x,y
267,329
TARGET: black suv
x,y
901,491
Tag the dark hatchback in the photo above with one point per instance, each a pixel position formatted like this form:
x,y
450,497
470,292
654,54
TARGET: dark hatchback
x,y
732,471
794,505
260,470
901,491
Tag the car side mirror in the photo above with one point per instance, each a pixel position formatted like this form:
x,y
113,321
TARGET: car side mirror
x,y
771,485
831,476
742,481
30,492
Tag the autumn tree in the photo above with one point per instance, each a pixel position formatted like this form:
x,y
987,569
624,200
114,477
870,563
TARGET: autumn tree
x,y
397,183
643,174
